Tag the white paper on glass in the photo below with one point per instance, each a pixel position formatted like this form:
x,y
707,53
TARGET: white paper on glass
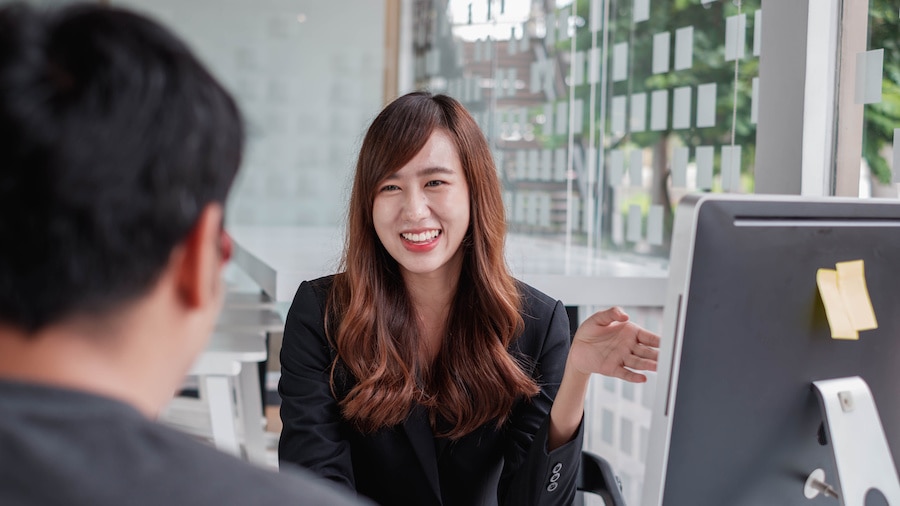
x,y
895,168
521,164
524,41
559,164
579,116
641,10
535,81
731,168
618,237
684,48
546,165
512,44
531,209
635,220
578,68
661,43
499,82
548,118
592,159
435,29
618,114
615,160
620,62
550,37
655,225
544,218
433,62
503,119
706,105
679,167
519,207
548,76
596,15
704,161
659,110
636,168
594,66
523,119
452,88
735,37
757,31
534,168
681,107
869,69
638,112
562,117
476,88
754,101
578,161
477,49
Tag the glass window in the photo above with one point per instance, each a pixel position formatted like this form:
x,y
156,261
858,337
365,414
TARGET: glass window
x,y
881,94
601,116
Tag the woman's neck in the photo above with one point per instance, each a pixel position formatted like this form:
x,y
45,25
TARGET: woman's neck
x,y
432,299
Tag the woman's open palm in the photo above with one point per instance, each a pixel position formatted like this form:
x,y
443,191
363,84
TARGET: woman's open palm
x,y
607,343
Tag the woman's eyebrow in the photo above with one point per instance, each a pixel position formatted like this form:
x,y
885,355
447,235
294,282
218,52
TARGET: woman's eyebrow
x,y
427,171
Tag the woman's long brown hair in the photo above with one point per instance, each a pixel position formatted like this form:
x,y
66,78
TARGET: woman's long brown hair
x,y
370,319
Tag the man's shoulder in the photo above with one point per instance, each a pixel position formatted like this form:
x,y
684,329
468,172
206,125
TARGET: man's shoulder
x,y
134,460
243,483
203,475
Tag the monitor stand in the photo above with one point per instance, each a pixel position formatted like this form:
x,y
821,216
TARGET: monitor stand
x,y
861,453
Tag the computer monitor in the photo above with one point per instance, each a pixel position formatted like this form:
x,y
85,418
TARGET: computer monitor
x,y
736,419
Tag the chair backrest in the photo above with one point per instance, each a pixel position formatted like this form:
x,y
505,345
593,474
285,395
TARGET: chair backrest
x,y
596,476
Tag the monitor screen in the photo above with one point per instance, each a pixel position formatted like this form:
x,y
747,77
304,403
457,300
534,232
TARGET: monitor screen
x,y
736,421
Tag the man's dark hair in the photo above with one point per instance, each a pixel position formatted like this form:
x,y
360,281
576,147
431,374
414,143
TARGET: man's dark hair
x,y
113,138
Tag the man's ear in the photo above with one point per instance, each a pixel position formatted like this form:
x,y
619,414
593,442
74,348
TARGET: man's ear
x,y
205,251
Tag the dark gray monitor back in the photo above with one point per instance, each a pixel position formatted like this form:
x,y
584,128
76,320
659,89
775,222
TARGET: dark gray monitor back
x,y
736,421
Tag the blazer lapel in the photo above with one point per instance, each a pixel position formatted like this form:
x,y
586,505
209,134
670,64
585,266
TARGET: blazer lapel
x,y
418,430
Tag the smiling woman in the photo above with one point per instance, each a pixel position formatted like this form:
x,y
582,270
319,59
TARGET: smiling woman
x,y
424,373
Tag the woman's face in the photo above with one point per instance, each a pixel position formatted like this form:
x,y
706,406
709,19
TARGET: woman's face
x,y
421,212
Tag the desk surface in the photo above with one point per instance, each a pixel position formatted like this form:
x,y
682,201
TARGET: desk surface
x,y
280,258
226,351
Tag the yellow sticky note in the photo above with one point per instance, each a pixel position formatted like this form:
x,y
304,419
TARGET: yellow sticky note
x,y
835,310
852,284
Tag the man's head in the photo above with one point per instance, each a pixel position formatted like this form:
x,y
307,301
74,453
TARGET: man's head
x,y
113,141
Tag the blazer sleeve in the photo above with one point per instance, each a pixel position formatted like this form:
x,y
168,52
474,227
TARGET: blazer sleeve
x,y
532,475
311,436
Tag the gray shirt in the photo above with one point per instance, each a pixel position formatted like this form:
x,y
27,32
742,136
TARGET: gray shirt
x,y
71,448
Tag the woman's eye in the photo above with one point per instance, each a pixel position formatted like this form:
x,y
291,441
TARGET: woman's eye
x,y
434,183
389,188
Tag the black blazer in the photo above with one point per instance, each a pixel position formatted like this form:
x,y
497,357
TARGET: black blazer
x,y
406,464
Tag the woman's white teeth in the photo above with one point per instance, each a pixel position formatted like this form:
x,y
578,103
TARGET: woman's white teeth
x,y
424,236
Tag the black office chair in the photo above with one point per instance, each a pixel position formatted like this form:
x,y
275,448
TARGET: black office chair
x,y
596,476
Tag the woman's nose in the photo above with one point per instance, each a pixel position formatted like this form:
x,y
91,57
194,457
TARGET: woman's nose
x,y
415,206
